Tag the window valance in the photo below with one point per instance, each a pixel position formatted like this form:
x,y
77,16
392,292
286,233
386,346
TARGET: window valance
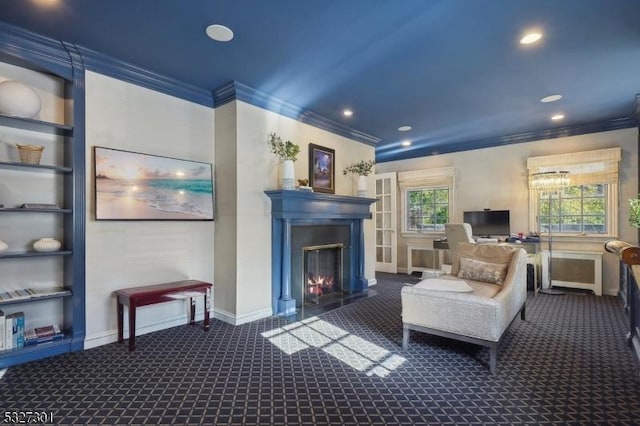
x,y
442,176
585,168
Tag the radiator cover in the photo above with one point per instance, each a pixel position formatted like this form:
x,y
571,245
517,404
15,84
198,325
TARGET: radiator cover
x,y
574,269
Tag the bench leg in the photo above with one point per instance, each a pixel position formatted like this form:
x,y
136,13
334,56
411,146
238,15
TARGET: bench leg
x,y
522,312
207,306
405,337
132,326
193,310
120,323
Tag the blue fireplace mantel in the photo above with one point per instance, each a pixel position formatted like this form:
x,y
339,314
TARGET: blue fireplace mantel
x,y
303,208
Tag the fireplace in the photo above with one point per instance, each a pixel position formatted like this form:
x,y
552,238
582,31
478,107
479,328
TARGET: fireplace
x,y
322,276
309,219
320,254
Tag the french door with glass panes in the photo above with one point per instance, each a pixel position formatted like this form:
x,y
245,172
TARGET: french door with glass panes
x,y
385,218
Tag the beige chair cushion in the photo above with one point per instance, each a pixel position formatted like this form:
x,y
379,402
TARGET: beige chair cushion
x,y
478,270
491,253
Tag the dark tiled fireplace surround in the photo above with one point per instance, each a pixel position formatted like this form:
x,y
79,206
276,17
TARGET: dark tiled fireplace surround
x,y
300,219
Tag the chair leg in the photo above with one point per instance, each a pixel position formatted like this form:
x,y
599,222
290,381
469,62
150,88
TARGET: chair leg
x,y
493,358
405,337
522,312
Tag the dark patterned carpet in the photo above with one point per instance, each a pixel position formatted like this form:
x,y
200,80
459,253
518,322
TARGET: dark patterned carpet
x,y
568,363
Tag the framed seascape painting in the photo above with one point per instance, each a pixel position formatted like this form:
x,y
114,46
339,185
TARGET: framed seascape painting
x,y
136,186
322,174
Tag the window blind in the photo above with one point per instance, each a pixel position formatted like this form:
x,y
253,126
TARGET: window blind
x,y
585,168
426,178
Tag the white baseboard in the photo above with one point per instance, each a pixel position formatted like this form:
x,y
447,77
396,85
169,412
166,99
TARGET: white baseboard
x,y
99,339
111,336
233,319
402,270
372,281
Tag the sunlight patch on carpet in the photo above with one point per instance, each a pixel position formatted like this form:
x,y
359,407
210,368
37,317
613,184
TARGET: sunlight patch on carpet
x,y
356,352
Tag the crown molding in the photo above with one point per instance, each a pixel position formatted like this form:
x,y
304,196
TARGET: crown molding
x,y
134,74
24,48
237,91
560,132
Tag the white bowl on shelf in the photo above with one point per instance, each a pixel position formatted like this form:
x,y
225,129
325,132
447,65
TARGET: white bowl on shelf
x,y
46,244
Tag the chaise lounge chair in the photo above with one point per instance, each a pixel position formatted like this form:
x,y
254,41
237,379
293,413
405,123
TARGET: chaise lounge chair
x,y
476,303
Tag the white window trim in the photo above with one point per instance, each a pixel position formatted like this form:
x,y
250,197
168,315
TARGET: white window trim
x,y
599,166
440,178
612,215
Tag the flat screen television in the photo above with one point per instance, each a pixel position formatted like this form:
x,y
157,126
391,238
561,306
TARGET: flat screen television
x,y
488,223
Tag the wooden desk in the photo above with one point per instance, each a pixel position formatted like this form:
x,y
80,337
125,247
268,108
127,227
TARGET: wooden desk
x,y
152,294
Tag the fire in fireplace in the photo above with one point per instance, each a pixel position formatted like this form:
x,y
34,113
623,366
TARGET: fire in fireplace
x,y
322,272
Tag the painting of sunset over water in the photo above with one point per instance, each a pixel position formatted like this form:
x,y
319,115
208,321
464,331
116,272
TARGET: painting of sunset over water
x,y
135,186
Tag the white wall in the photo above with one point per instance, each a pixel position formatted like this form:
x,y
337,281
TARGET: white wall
x,y
496,178
124,253
226,208
258,170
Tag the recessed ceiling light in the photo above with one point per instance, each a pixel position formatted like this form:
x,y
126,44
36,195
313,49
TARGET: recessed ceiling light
x,y
550,98
531,37
219,32
557,117
47,3
347,113
406,143
404,128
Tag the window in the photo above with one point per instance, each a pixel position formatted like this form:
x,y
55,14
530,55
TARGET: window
x,y
427,209
580,209
589,205
427,199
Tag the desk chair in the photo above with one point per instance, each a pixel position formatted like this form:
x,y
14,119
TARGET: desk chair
x,y
458,233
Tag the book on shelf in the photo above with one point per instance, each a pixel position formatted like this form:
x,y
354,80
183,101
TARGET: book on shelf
x,y
29,293
8,332
42,334
2,330
14,330
47,291
39,206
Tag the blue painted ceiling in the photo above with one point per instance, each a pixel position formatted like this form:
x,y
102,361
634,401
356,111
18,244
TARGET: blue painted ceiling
x,y
452,69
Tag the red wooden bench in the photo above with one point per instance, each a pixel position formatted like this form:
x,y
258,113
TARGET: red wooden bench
x,y
152,294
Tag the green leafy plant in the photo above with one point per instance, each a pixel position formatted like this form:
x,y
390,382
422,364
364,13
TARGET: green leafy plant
x,y
285,150
361,168
634,212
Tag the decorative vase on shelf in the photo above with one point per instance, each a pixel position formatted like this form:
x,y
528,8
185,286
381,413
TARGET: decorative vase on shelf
x,y
46,244
362,169
3,246
362,186
287,152
288,175
18,100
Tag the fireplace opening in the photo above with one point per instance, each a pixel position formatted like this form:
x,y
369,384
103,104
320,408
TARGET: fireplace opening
x,y
322,272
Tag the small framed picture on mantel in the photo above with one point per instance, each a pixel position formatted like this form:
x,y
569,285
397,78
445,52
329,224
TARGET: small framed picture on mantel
x,y
322,173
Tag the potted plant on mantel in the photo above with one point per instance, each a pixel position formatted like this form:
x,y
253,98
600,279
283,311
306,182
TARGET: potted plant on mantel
x,y
288,152
634,212
362,168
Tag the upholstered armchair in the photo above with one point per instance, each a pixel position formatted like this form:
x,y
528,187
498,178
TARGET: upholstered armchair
x,y
476,303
